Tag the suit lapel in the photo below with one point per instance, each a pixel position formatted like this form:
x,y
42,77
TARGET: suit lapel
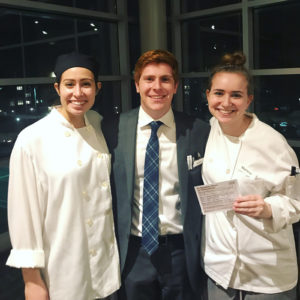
x,y
182,141
128,131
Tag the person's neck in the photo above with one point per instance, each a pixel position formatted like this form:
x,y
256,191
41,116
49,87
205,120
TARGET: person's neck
x,y
75,121
236,129
155,115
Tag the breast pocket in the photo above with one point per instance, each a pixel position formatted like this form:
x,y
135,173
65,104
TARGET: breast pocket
x,y
196,175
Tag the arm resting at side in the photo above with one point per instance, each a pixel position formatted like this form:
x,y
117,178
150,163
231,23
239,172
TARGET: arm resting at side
x,y
35,288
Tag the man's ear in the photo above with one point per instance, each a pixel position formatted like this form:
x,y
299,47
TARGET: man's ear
x,y
137,87
56,86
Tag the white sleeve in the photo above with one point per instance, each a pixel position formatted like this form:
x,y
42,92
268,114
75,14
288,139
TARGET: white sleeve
x,y
285,207
25,213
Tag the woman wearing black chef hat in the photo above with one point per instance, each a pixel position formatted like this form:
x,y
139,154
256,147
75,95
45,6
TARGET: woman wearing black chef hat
x,y
59,196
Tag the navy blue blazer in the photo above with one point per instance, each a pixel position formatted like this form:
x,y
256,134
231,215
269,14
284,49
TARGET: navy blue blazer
x,y
191,138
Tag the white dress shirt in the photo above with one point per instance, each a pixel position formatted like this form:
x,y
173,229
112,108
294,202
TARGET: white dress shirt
x,y
169,201
242,252
60,208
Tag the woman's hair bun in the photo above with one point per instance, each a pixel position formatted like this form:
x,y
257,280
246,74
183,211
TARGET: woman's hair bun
x,y
233,63
234,59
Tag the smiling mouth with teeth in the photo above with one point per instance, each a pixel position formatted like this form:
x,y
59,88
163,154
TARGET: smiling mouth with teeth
x,y
226,111
158,97
78,102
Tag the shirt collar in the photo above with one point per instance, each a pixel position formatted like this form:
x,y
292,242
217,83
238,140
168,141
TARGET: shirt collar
x,y
167,119
63,121
213,121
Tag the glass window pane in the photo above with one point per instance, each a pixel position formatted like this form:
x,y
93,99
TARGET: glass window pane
x,y
20,107
44,37
297,150
108,100
42,27
9,34
103,5
194,97
277,102
205,40
40,60
276,38
59,2
135,96
134,44
100,40
3,192
11,62
187,6
133,8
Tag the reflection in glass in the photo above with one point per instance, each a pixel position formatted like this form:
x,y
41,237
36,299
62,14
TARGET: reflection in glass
x,y
20,106
194,97
100,39
45,36
187,6
108,100
277,102
42,27
205,40
276,37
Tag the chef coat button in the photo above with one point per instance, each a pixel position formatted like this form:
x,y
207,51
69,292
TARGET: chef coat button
x,y
104,184
85,195
93,252
90,222
67,134
79,162
227,171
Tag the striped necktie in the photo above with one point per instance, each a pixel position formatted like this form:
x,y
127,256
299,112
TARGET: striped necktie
x,y
150,192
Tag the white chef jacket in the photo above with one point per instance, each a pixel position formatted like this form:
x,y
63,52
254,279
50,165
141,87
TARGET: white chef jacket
x,y
242,252
60,208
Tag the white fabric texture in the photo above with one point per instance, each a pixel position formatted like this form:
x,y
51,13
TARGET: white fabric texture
x,y
170,221
60,207
242,252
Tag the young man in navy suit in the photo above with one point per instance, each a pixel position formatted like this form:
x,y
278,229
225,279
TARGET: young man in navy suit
x,y
172,271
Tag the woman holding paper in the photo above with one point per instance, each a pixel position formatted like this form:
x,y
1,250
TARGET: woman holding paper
x,y
248,252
